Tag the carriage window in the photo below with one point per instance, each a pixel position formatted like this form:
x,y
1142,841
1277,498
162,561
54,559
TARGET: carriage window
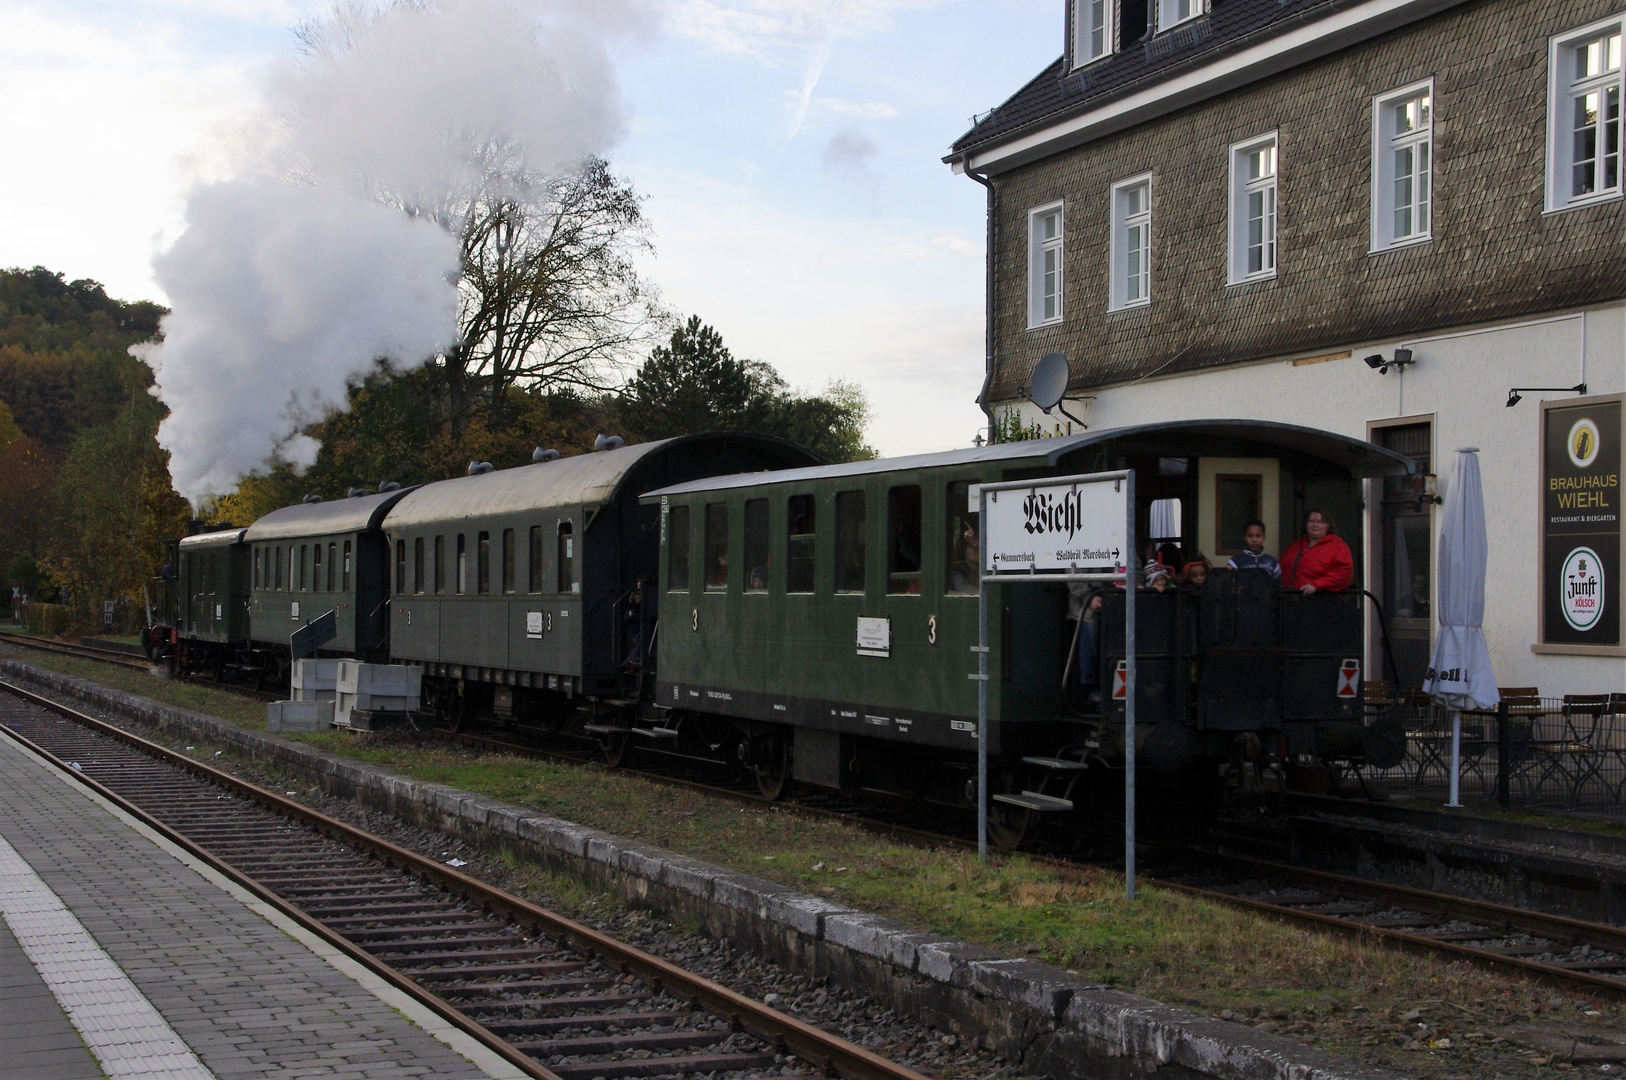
x,y
799,520
964,560
417,566
346,583
1239,500
331,569
756,545
850,541
567,559
677,549
903,540
717,546
483,567
259,557
462,564
316,571
304,568
440,565
400,567
533,567
508,560
277,561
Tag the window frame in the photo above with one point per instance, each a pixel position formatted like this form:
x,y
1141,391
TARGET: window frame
x,y
757,532
535,572
714,540
417,566
1237,272
1559,96
801,549
846,529
1109,32
1384,144
1118,246
1037,247
564,547
440,565
679,553
901,581
1199,8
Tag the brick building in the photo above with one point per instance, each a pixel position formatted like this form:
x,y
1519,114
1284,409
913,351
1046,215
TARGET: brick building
x,y
1223,207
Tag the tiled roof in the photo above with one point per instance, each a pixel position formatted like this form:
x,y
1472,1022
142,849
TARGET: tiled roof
x,y
1054,93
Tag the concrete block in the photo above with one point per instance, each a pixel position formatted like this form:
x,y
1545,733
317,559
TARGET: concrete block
x,y
570,839
384,680
870,935
644,862
298,715
741,893
950,961
905,948
603,849
1028,981
688,875
314,674
300,693
802,913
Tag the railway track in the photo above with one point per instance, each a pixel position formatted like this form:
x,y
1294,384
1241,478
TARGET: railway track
x,y
553,996
122,659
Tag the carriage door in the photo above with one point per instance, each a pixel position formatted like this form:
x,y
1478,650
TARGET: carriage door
x,y
1405,543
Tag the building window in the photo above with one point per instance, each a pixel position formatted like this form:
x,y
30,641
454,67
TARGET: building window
x,y
1044,265
1253,210
1172,13
717,546
677,550
1131,243
799,521
1583,116
1092,29
850,541
1402,166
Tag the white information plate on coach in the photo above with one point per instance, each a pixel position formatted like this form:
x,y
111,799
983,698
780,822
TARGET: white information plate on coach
x,y
1056,527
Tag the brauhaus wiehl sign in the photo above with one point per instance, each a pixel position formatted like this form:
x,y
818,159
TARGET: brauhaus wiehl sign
x,y
1058,527
1580,523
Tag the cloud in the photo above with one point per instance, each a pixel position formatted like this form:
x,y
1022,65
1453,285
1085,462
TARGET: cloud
x,y
758,28
862,110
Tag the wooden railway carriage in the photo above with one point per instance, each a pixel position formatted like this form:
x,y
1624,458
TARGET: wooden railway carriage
x,y
312,558
827,616
518,589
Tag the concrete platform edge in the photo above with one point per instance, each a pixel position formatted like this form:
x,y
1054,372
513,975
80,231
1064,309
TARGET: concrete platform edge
x,y
1052,1022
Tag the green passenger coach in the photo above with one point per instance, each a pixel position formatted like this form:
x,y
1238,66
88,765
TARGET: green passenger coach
x,y
827,616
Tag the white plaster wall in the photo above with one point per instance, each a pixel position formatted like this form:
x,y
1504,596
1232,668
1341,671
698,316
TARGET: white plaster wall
x,y
1461,379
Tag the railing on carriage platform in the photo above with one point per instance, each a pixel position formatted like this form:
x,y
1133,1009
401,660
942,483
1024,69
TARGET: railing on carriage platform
x,y
1563,753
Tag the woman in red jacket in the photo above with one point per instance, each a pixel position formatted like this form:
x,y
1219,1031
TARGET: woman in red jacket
x,y
1318,561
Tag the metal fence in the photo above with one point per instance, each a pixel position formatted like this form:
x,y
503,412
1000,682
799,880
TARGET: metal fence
x,y
1551,753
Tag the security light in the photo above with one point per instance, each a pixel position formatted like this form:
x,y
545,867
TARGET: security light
x,y
1401,358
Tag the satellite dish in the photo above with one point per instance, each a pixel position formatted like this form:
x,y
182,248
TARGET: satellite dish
x,y
1049,381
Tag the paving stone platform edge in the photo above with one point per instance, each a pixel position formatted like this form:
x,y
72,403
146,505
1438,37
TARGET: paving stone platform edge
x,y
1050,1022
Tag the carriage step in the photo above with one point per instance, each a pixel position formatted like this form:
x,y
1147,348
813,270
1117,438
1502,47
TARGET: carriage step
x,y
1034,801
604,729
1056,763
656,732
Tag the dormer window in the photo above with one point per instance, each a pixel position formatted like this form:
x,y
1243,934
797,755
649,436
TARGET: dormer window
x,y
1171,13
1093,30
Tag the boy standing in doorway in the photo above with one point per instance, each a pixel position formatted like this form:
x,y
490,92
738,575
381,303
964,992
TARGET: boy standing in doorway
x,y
1253,555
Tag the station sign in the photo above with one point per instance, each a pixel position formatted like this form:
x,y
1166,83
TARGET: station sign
x,y
1580,523
1057,527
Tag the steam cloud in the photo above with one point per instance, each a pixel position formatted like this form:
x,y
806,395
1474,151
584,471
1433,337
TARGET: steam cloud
x,y
337,246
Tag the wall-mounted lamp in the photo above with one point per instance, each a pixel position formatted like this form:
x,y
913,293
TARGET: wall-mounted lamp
x,y
1515,394
1421,489
1401,358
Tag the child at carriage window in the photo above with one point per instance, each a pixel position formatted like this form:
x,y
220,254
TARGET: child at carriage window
x,y
1195,574
1253,555
1154,573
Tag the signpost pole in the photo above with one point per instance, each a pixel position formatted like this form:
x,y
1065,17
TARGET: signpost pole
x,y
1131,576
982,676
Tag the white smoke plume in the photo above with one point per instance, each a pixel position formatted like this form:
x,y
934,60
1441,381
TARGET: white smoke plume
x,y
336,245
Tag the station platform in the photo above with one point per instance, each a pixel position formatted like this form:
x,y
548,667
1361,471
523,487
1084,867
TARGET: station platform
x,y
123,956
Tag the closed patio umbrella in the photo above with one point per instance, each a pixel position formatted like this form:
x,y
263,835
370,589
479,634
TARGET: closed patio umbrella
x,y
1460,677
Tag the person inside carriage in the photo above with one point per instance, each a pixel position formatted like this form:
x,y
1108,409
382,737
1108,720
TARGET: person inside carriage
x,y
1253,555
1318,561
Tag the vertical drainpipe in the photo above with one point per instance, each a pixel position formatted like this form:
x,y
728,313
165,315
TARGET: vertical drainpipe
x,y
988,303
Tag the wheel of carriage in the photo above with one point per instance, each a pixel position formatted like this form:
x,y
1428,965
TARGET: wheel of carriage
x,y
773,771
1008,825
618,748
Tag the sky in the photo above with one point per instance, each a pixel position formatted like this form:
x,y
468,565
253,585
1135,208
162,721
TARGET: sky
x,y
788,150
